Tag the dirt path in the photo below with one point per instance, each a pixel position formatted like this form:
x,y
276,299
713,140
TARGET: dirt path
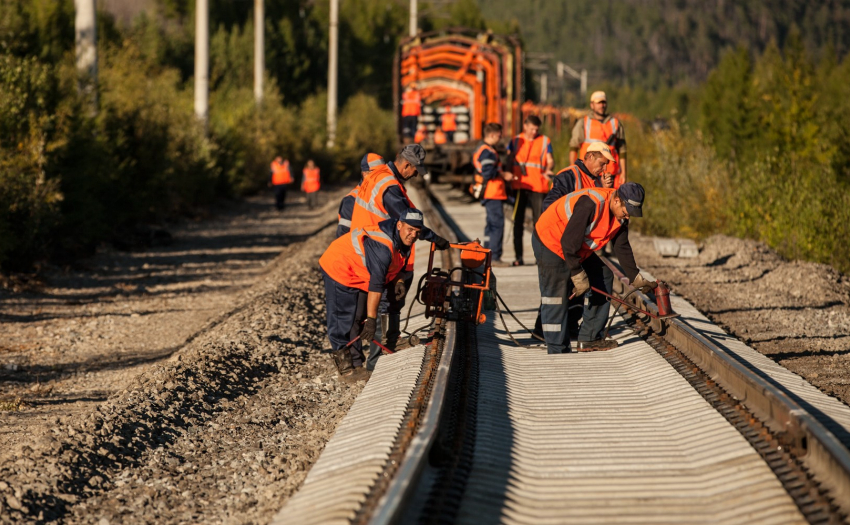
x,y
173,384
797,313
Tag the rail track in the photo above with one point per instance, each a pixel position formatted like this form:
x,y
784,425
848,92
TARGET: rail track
x,y
680,424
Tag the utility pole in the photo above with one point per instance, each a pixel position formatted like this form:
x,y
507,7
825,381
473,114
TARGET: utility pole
x,y
414,17
332,73
544,87
581,76
202,59
85,26
259,49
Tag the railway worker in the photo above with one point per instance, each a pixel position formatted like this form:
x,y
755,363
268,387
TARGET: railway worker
x,y
600,127
369,162
382,196
281,178
564,241
490,188
311,183
448,123
411,108
357,268
421,134
587,173
531,161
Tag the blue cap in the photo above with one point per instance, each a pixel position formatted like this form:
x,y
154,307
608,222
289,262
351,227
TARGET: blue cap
x,y
632,194
413,217
371,161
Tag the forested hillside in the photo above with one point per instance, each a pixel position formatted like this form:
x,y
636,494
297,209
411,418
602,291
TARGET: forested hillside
x,y
652,43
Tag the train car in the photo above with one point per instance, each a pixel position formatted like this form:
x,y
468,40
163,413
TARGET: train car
x,y
461,76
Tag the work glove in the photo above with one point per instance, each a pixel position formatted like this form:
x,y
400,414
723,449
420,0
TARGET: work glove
x,y
440,243
580,283
643,285
367,333
400,290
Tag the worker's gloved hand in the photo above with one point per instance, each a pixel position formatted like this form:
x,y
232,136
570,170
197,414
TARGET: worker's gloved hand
x,y
643,285
580,283
400,290
367,333
440,243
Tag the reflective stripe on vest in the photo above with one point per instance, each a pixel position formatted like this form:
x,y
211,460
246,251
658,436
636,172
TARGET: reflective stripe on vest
x,y
345,222
370,205
600,207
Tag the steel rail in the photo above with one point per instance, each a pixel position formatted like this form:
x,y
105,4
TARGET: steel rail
x,y
820,450
400,489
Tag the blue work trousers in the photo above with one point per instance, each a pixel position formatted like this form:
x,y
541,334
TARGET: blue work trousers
x,y
596,306
494,229
346,309
555,285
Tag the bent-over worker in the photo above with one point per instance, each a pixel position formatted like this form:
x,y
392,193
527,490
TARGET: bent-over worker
x,y
383,196
357,268
369,162
564,241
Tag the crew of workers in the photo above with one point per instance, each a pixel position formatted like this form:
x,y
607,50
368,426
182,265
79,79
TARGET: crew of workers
x,y
368,269
281,180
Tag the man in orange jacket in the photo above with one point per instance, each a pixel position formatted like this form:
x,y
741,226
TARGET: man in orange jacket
x,y
369,162
490,188
411,108
311,183
600,127
357,268
281,178
530,158
564,241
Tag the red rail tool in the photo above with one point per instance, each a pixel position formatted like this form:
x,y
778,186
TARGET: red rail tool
x,y
474,281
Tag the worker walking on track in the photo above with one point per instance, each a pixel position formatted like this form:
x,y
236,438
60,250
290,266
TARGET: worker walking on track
x,y
357,268
600,127
411,109
564,241
382,196
490,188
369,162
311,183
531,161
281,178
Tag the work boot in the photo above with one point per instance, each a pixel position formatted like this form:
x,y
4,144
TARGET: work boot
x,y
595,346
359,374
342,360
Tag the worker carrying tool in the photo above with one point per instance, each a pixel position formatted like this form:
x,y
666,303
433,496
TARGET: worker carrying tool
x,y
281,178
382,196
311,183
564,241
531,161
357,268
489,187
600,127
369,162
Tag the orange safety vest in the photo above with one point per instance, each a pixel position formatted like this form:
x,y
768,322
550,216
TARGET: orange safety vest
x,y
552,223
439,136
345,259
449,121
411,104
369,207
595,131
280,173
347,221
495,189
420,136
530,163
374,160
582,179
311,182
